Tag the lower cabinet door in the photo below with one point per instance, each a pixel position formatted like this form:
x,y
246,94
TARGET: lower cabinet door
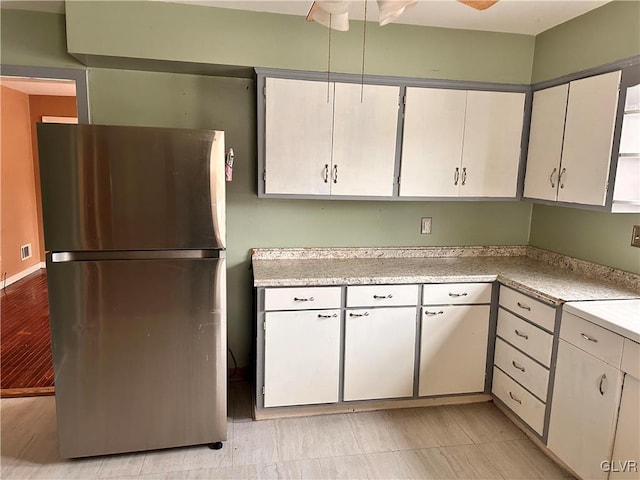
x,y
453,349
626,449
379,355
301,357
584,411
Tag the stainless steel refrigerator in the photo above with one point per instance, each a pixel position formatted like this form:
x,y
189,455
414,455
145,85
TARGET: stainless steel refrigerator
x,y
134,227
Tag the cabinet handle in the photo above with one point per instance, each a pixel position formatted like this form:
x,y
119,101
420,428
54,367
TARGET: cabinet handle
x,y
327,316
603,384
523,335
464,175
553,185
519,367
587,337
524,307
310,299
365,314
514,398
456,176
379,297
335,174
464,294
431,314
560,177
326,173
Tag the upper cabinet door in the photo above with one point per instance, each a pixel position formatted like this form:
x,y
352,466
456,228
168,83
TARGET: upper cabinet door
x,y
492,139
298,123
432,142
588,138
545,142
364,140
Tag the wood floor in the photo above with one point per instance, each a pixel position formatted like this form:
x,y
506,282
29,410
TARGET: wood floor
x,y
454,442
25,343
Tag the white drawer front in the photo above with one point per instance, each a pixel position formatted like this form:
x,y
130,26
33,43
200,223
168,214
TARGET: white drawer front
x,y
631,358
381,295
456,293
601,343
532,340
301,298
531,375
533,310
525,405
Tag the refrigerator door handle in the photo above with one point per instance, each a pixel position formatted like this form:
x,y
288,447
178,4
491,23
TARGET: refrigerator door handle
x,y
217,188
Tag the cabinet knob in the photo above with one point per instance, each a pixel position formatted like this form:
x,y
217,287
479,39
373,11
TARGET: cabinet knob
x,y
514,398
302,299
327,316
516,365
335,174
553,185
365,314
520,334
463,294
326,173
602,386
587,337
431,314
380,297
464,175
564,170
524,307
456,176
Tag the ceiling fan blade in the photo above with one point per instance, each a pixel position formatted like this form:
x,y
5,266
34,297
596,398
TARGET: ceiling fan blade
x,y
478,4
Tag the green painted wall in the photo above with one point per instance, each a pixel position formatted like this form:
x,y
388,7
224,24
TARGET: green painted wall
x,y
604,35
165,31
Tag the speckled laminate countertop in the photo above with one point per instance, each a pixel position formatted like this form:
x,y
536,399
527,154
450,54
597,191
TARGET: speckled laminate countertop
x,y
534,272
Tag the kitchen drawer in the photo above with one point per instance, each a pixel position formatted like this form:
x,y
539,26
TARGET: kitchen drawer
x,y
532,340
525,405
533,310
528,373
631,358
601,343
302,298
456,293
381,295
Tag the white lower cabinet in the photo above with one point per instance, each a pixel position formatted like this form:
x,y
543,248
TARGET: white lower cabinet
x,y
301,357
626,448
379,353
583,411
453,349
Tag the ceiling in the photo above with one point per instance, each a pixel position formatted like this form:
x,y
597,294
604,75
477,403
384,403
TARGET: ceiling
x,y
40,86
529,17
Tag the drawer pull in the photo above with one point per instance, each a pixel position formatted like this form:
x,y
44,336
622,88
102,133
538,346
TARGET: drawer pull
x,y
431,314
365,314
602,386
524,307
464,294
523,335
515,399
327,316
587,337
379,297
519,367
297,299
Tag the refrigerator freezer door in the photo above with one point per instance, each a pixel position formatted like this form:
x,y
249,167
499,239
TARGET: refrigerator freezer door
x,y
131,188
139,351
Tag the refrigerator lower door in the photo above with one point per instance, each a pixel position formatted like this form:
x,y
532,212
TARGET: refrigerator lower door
x,y
139,349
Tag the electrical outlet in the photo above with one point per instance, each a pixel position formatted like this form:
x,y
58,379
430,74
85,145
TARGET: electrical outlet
x,y
635,236
425,225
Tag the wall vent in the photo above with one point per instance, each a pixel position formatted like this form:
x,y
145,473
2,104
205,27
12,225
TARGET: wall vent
x,y
25,251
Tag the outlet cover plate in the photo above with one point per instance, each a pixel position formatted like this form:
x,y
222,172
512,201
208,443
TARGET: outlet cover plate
x,y
425,225
635,236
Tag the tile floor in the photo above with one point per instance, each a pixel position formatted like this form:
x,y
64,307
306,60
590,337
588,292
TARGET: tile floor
x,y
453,442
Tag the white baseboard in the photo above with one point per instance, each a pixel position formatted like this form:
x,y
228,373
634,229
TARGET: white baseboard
x,y
22,274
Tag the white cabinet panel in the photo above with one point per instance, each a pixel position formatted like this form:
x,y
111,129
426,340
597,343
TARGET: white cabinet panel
x,y
456,293
301,357
533,310
545,142
532,340
302,298
381,295
598,341
379,353
491,147
453,349
525,405
588,137
626,447
583,412
298,127
525,371
364,139
432,142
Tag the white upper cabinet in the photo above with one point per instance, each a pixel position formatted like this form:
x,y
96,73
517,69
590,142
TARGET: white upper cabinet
x,y
491,145
571,140
545,142
298,132
588,139
460,143
432,142
626,193
364,139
